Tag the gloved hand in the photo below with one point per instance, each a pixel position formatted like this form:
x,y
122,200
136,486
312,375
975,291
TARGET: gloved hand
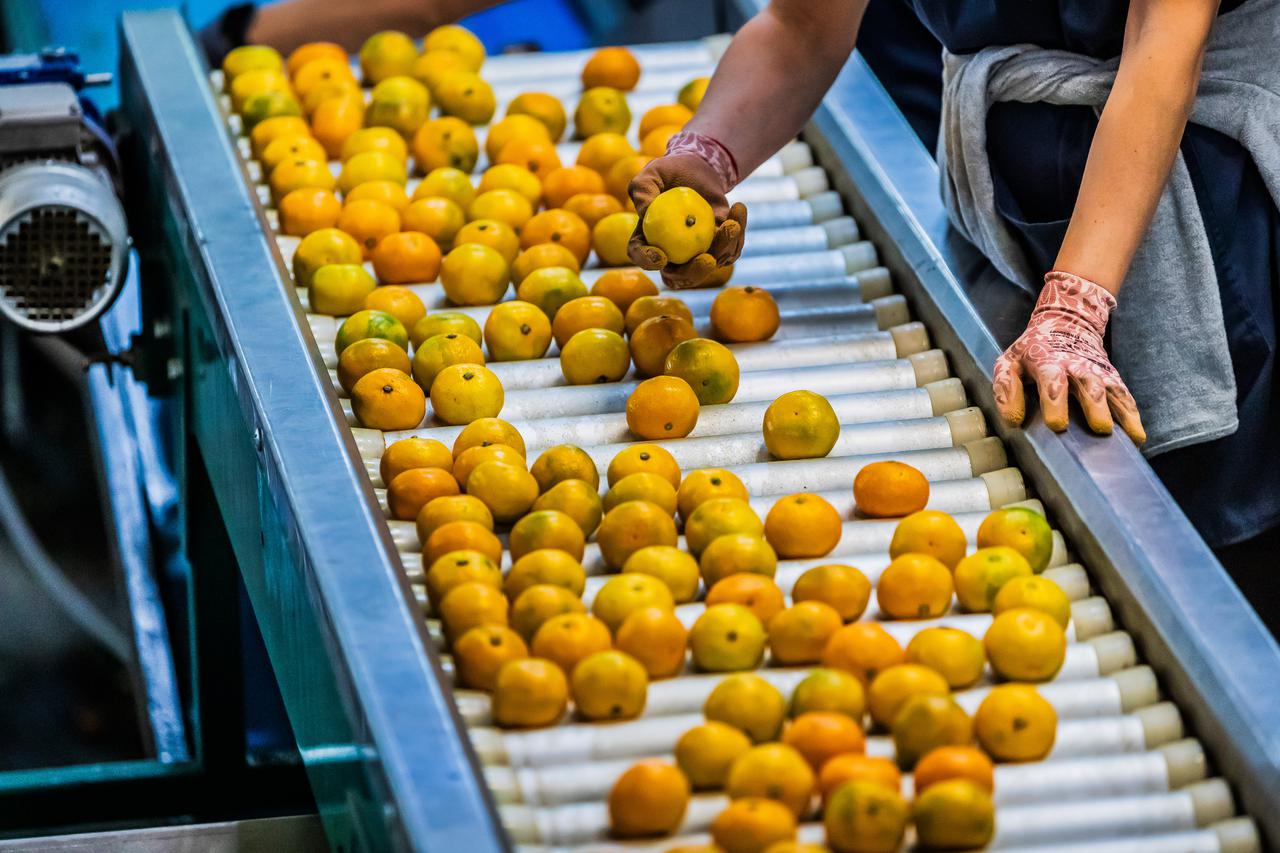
x,y
705,166
1062,347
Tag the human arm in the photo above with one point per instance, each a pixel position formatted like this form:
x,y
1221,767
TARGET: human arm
x,y
1129,161
766,86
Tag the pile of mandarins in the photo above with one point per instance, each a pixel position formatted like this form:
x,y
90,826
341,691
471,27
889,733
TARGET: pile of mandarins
x,y
688,565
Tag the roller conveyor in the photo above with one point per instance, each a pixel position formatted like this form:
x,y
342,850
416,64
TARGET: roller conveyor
x,y
946,447
1080,690
812,314
1123,774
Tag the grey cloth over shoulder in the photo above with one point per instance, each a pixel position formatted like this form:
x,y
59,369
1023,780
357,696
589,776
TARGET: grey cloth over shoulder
x,y
1168,340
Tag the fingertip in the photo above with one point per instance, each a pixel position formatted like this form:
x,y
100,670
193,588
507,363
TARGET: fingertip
x,y
1006,386
700,268
1132,426
1016,411
1055,412
726,245
1012,415
1051,385
1055,423
1125,411
1101,427
1091,395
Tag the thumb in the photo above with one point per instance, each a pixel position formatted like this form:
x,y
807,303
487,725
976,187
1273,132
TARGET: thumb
x,y
738,213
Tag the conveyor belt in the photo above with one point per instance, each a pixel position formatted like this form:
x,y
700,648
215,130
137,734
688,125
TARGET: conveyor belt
x,y
1120,769
1124,774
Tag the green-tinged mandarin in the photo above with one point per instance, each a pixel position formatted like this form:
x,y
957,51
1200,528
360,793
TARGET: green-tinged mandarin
x,y
370,324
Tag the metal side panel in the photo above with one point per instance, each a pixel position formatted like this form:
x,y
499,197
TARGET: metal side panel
x,y
254,835
387,759
1192,623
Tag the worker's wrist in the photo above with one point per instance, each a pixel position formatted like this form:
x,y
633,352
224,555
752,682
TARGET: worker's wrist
x,y
1064,291
709,149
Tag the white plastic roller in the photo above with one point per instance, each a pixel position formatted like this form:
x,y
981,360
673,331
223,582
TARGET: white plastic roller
x,y
769,270
593,429
1077,691
818,207
864,542
1236,835
575,743
1167,768
833,262
804,475
565,401
1197,805
871,561
933,399
830,309
1126,824
791,353
1088,778
866,285
827,235
725,451
757,386
972,494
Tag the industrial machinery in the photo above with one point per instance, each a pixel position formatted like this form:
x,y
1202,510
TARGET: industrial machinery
x,y
1169,703
71,304
64,242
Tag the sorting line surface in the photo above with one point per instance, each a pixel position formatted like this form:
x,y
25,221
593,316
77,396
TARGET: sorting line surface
x,y
1121,775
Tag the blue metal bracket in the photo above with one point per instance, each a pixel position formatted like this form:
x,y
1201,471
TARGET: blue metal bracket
x,y
51,65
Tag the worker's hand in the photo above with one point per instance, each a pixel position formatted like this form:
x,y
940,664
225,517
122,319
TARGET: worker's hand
x,y
1061,348
705,166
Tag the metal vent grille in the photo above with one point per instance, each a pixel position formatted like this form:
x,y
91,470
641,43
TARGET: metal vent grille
x,y
68,155
55,264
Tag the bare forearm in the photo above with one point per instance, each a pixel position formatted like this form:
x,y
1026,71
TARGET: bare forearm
x,y
774,74
1136,142
287,24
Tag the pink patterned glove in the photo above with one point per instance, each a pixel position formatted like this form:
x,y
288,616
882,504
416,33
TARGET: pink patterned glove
x,y
704,165
1063,345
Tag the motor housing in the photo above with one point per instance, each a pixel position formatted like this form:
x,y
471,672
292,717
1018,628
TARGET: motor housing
x,y
64,243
